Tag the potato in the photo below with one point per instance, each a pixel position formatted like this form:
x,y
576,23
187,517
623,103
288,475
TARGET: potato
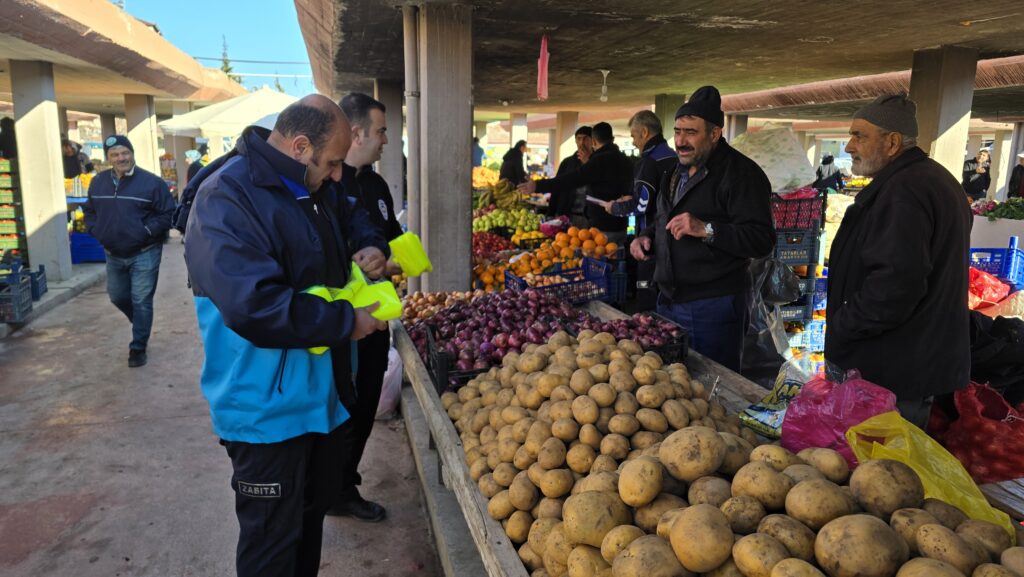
x,y
585,561
831,463
665,522
644,374
727,569
507,449
994,538
816,502
675,414
652,420
925,567
518,527
548,509
604,416
535,472
798,539
948,515
625,425
552,453
647,556
499,507
587,360
530,363
737,453
563,393
589,435
531,560
1013,559
647,516
645,439
800,473
603,394
580,458
615,446
522,493
761,481
504,473
589,516
650,396
778,457
522,459
599,372
709,490
603,463
560,410
556,550
626,403
488,487
744,513
585,410
640,481
692,453
755,555
701,538
936,541
992,570
616,540
906,522
600,481
882,486
794,567
859,546
556,483
623,382
703,407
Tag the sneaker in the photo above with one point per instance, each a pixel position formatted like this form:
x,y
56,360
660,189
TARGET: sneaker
x,y
136,358
360,509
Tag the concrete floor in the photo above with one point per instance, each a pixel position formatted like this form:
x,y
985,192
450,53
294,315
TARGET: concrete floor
x,y
111,471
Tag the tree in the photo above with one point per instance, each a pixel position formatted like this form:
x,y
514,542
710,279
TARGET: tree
x,y
277,83
225,63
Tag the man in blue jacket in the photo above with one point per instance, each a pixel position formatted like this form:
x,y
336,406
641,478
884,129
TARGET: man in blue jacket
x,y
266,226
129,212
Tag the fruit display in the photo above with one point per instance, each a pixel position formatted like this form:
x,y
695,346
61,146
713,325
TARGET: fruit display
x,y
501,194
484,177
533,280
490,275
521,235
858,181
590,241
515,219
600,460
420,306
486,244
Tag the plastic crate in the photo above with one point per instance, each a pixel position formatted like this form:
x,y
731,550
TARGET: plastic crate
x,y
6,181
812,338
8,227
441,367
800,311
532,243
6,196
1005,263
38,279
587,283
12,242
6,164
798,214
673,351
797,247
15,298
8,211
85,248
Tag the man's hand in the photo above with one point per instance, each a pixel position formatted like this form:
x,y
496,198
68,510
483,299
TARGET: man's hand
x,y
639,248
609,205
364,323
583,155
528,187
686,225
393,268
980,170
371,260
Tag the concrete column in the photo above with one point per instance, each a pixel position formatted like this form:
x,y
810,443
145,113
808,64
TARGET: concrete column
x,y
518,129
390,165
565,135
553,158
735,125
665,106
1001,158
410,26
40,167
62,120
177,145
445,41
942,85
140,112
107,125
480,130
973,145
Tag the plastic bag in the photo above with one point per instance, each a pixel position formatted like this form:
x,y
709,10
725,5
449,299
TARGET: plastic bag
x,y
777,151
890,436
988,435
391,390
984,290
823,411
1013,306
767,415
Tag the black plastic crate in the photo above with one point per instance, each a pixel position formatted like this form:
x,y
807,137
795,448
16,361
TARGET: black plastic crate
x,y
532,243
441,367
15,298
797,247
38,279
800,311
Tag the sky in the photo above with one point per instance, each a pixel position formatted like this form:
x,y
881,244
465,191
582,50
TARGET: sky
x,y
266,30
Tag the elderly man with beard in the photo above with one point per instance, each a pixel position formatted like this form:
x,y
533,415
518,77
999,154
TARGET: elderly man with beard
x,y
897,291
713,217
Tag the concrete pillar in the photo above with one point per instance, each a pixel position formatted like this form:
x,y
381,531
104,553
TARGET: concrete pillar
x,y
140,112
553,158
107,125
942,85
40,167
565,135
1001,158
665,106
445,41
735,125
480,130
62,121
177,145
973,145
390,165
410,27
518,129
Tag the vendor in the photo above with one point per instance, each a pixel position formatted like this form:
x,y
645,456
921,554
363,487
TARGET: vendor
x,y
897,291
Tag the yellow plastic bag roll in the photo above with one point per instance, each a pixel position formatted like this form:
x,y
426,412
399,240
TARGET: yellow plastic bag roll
x,y
407,251
890,436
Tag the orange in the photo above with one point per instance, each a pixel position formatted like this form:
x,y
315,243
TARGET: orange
x,y
566,253
561,237
573,231
594,231
611,248
575,242
600,239
589,245
599,250
584,234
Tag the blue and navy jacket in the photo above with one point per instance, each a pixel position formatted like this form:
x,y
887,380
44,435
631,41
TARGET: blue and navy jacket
x,y
251,250
130,215
657,159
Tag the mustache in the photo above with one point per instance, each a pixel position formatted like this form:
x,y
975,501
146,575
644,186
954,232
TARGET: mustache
x,y
684,149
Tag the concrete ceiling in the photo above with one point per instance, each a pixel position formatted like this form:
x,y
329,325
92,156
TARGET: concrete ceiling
x,y
662,46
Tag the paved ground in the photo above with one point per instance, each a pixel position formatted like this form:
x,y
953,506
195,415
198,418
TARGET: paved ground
x,y
111,471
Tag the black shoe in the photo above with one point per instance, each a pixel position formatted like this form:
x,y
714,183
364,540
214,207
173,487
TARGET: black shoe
x,y
360,509
136,358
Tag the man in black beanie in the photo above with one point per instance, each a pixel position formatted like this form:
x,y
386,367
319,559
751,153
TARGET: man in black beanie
x,y
897,289
713,217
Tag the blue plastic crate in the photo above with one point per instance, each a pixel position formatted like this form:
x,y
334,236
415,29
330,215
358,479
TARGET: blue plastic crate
x,y
587,283
800,311
812,338
85,248
15,298
1005,263
38,279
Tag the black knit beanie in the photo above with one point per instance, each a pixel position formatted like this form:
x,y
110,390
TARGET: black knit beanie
x,y
705,103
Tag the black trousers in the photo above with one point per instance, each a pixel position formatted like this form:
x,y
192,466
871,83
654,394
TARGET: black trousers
x,y
373,363
282,492
647,296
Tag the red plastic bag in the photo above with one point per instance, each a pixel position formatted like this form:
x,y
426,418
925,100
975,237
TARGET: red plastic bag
x,y
988,436
985,290
823,410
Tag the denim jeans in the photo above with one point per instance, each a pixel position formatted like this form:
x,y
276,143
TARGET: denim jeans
x,y
716,326
131,284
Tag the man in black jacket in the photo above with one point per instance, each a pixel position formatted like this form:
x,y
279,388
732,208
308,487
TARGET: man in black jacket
x,y
1015,189
371,191
573,203
897,290
713,217
610,176
512,168
977,178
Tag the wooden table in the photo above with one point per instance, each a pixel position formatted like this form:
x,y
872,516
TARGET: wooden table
x,y
1008,497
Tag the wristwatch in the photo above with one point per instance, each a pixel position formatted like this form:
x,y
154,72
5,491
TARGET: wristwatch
x,y
709,232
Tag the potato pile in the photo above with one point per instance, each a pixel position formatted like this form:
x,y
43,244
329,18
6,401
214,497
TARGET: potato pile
x,y
600,461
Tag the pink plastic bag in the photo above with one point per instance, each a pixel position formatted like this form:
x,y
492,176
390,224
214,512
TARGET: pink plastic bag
x,y
822,412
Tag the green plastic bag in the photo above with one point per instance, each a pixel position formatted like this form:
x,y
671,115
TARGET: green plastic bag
x,y
890,436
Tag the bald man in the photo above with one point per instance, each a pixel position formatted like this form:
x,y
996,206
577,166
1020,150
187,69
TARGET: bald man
x,y
264,227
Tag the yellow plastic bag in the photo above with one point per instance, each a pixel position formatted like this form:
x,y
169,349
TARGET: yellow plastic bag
x,y
890,436
407,251
360,294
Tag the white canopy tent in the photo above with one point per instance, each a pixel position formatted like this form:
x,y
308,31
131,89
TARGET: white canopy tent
x,y
230,117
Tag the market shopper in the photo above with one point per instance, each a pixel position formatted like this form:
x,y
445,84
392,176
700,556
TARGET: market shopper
x,y
262,230
129,212
1016,187
512,168
977,178
609,173
713,217
828,174
371,191
478,153
897,291
573,203
69,156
